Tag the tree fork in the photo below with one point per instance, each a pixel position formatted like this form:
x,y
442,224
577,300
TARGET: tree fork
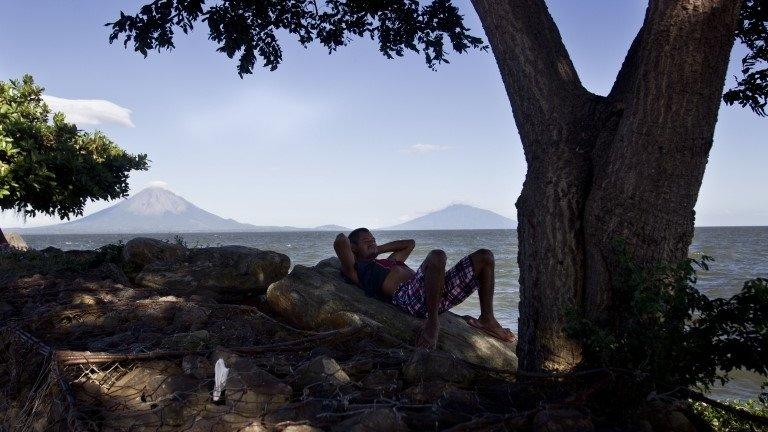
x,y
628,165
647,182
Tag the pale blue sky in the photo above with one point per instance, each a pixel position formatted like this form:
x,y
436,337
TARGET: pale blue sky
x,y
349,138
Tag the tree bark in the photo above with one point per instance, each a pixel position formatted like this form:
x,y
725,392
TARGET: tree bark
x,y
3,240
628,165
647,181
543,88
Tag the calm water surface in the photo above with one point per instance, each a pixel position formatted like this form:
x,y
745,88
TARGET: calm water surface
x,y
740,253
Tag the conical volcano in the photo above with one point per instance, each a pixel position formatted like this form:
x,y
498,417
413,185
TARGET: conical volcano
x,y
152,210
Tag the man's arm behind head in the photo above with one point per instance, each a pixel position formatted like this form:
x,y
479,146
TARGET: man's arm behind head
x,y
401,249
344,251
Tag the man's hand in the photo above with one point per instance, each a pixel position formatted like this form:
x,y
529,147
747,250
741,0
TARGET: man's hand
x,y
401,249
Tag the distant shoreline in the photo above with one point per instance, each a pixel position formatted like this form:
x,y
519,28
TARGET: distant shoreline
x,y
23,231
148,233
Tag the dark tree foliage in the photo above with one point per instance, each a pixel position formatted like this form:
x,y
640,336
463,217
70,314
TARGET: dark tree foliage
x,y
752,89
251,28
51,167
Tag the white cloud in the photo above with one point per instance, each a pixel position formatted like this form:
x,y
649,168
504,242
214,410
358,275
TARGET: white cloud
x,y
420,148
158,184
90,111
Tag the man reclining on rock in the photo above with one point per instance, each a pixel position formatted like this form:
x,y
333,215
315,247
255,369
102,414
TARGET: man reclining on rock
x,y
427,292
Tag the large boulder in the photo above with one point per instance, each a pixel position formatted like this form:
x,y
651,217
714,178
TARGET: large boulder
x,y
317,297
225,273
140,251
14,242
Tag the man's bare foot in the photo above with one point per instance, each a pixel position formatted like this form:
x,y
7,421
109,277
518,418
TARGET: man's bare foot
x,y
491,327
428,336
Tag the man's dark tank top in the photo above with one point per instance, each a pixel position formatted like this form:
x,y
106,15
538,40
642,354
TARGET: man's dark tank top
x,y
371,274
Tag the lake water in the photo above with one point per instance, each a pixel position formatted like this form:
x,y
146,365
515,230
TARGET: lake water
x,y
740,253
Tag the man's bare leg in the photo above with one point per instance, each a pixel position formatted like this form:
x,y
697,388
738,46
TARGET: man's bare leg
x,y
484,266
434,282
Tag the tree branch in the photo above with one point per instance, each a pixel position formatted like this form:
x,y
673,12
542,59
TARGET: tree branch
x,y
537,71
628,72
669,88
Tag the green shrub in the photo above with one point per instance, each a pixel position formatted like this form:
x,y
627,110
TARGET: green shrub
x,y
725,422
666,335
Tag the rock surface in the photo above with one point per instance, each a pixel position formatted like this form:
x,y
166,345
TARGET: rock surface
x,y
153,350
429,366
250,390
225,273
664,417
562,420
321,370
140,251
301,428
15,241
379,420
153,394
317,297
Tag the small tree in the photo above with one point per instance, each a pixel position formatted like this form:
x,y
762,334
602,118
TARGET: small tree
x,y
51,167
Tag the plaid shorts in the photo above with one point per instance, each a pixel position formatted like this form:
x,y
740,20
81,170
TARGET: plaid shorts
x,y
460,282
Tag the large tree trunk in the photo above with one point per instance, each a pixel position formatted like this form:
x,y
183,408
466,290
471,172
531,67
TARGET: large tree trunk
x,y
626,166
647,181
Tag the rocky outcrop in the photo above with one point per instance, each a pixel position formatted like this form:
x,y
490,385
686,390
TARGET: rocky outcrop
x,y
225,273
123,357
317,297
158,395
142,251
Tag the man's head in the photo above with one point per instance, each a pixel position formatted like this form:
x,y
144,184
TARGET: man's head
x,y
363,243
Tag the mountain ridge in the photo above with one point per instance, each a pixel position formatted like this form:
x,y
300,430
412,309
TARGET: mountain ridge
x,y
456,217
157,210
